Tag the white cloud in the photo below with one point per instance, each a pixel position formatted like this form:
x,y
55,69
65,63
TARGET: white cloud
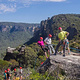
x,y
10,5
7,8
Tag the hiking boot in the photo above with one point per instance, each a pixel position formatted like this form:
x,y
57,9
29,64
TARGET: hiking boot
x,y
63,55
54,54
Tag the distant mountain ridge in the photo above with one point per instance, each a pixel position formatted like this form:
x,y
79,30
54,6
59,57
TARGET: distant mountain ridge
x,y
11,27
14,34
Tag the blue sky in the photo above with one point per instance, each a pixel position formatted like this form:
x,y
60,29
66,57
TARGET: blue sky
x,y
34,11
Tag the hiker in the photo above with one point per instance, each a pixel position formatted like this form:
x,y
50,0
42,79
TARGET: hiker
x,y
5,75
8,74
62,40
49,45
67,46
15,74
41,43
20,73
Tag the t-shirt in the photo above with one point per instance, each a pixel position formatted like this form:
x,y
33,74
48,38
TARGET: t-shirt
x,y
41,43
8,74
15,73
48,40
5,75
62,34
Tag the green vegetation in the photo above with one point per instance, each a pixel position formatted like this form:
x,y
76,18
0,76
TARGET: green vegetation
x,y
13,39
4,64
15,34
33,55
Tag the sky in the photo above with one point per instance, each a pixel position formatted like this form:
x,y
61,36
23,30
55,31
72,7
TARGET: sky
x,y
34,11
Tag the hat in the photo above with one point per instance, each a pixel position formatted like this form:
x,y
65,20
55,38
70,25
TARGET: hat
x,y
20,67
50,35
5,71
59,28
41,38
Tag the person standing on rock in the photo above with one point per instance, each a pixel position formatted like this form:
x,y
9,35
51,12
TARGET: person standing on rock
x,y
49,45
62,40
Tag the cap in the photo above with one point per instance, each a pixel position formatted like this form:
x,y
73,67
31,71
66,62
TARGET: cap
x,y
50,35
59,28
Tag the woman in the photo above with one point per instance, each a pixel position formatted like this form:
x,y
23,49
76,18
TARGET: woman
x,y
41,43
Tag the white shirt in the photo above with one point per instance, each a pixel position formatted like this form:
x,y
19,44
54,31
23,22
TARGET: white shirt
x,y
20,70
48,40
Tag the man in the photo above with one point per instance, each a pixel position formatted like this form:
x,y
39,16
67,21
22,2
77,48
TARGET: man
x,y
49,45
62,40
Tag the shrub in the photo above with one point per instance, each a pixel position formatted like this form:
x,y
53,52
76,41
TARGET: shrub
x,y
14,63
4,64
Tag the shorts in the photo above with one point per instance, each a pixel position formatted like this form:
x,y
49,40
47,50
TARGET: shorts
x,y
66,43
44,49
8,77
5,79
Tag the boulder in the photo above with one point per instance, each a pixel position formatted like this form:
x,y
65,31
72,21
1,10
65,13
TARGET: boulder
x,y
70,65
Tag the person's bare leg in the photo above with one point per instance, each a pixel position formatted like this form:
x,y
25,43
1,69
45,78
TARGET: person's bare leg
x,y
61,48
48,52
46,55
68,50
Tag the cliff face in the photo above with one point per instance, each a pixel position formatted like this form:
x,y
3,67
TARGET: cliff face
x,y
69,66
68,22
12,27
14,34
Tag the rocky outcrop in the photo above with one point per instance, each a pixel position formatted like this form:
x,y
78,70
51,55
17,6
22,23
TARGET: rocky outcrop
x,y
70,65
13,53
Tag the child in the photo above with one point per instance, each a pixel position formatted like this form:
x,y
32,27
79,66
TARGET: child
x,y
5,75
15,74
20,73
41,43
